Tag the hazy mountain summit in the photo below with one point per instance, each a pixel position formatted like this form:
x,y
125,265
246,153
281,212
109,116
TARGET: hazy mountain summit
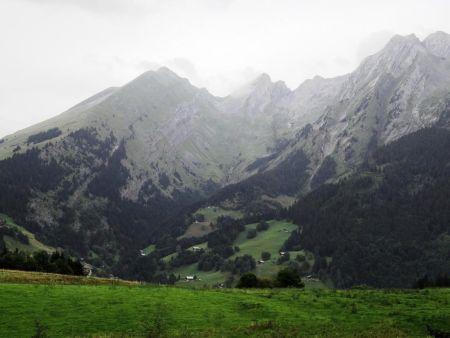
x,y
438,43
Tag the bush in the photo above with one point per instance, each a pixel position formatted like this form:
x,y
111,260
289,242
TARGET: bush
x,y
265,256
284,278
251,233
248,280
199,217
210,261
288,278
241,264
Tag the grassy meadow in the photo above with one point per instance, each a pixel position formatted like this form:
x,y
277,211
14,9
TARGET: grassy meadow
x,y
12,243
270,240
156,311
210,214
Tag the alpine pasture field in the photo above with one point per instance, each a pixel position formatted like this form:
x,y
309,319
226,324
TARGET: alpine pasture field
x,y
270,240
62,310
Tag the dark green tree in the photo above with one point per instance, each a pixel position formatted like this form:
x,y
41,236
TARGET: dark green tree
x,y
265,256
248,280
288,278
251,233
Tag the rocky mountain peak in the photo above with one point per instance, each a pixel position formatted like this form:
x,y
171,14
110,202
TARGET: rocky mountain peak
x,y
254,97
263,79
402,40
399,53
261,86
438,44
163,77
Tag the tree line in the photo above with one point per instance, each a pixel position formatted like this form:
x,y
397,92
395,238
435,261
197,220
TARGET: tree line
x,y
42,261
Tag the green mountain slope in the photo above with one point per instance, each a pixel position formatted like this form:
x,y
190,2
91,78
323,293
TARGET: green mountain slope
x,y
13,236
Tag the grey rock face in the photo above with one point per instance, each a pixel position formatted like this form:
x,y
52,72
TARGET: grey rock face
x,y
403,88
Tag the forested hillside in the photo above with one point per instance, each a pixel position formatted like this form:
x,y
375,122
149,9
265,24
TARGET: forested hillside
x,y
389,224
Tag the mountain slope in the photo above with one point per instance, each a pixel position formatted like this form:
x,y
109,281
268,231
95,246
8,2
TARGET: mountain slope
x,y
102,178
388,224
105,178
403,88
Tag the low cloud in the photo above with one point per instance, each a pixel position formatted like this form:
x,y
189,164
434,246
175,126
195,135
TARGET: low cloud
x,y
373,43
136,7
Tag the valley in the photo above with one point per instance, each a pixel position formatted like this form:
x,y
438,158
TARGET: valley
x,y
157,182
270,240
134,178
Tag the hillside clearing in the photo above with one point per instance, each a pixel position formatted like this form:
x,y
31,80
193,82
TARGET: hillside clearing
x,y
270,240
13,243
208,217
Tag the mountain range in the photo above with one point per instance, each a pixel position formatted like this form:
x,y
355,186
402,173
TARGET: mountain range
x,y
126,167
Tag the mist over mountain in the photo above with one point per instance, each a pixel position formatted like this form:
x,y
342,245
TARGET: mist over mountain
x,y
107,177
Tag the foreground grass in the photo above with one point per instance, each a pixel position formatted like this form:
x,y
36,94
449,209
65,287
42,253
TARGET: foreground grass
x,y
154,311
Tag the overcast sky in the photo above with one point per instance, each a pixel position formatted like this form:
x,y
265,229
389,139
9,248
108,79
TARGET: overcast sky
x,y
55,53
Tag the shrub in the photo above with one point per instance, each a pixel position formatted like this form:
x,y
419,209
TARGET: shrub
x,y
251,233
248,280
288,278
199,217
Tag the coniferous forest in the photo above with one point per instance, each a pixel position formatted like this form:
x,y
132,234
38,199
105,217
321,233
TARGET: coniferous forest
x,y
388,225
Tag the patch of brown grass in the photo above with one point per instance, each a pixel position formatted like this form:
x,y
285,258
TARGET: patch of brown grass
x,y
30,277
